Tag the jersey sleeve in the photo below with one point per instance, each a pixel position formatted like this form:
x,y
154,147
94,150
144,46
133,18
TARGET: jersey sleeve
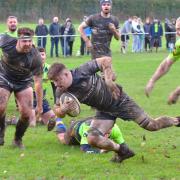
x,y
175,55
116,135
89,21
89,68
37,67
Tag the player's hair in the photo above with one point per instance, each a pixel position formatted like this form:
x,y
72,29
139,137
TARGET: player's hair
x,y
41,49
11,17
55,69
25,32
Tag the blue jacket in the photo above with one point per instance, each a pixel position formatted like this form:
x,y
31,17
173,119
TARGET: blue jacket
x,y
54,29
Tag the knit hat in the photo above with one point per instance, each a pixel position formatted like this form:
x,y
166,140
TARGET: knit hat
x,y
105,1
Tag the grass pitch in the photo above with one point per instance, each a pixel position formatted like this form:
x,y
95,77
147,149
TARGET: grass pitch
x,y
157,157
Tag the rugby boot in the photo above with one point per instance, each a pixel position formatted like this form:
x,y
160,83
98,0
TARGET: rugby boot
x,y
124,153
178,125
18,143
2,132
51,124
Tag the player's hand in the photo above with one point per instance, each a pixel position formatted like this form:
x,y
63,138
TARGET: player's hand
x,y
112,27
88,45
172,99
38,111
149,88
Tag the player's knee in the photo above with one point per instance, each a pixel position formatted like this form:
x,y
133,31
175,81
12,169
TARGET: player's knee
x,y
93,136
149,124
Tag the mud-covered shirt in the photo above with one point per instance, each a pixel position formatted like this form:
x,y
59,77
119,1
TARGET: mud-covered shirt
x,y
16,66
101,35
91,89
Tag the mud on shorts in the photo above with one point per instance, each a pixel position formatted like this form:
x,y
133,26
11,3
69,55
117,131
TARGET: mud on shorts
x,y
127,110
13,86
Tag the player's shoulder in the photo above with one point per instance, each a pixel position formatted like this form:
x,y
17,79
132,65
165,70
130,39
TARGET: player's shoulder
x,y
95,16
6,39
114,18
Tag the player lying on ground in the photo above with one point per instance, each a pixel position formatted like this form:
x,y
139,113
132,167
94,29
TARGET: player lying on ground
x,y
165,66
108,98
77,133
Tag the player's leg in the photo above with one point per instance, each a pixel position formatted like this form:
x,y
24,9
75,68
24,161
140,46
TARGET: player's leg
x,y
25,109
4,97
129,110
99,127
96,134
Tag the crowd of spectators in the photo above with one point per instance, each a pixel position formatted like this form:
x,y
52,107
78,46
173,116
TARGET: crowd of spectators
x,y
145,36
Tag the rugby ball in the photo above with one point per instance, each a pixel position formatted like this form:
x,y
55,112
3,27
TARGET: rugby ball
x,y
75,109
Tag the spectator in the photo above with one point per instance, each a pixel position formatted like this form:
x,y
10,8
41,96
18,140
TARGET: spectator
x,y
67,40
171,36
135,36
54,31
140,35
87,32
41,30
156,32
126,29
147,26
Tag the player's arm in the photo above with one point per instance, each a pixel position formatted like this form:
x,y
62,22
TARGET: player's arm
x,y
81,28
116,32
105,64
161,70
39,92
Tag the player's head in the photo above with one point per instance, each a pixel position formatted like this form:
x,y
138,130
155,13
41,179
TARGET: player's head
x,y
12,23
60,75
106,6
178,26
42,53
25,42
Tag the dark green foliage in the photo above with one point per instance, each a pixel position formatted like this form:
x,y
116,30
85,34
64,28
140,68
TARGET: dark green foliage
x,y
31,10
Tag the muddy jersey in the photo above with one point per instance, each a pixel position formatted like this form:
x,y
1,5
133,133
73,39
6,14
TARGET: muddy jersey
x,y
15,66
91,89
101,35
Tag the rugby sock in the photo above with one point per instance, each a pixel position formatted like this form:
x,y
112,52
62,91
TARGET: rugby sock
x,y
21,127
60,127
2,129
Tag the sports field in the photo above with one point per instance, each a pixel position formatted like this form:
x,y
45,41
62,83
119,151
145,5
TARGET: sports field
x,y
157,153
